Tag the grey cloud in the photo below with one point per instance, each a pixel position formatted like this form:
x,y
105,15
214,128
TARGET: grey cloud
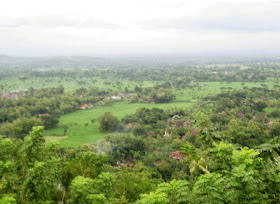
x,y
231,24
238,15
179,23
55,21
242,25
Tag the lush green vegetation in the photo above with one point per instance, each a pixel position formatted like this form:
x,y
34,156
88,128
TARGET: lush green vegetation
x,y
146,132
79,133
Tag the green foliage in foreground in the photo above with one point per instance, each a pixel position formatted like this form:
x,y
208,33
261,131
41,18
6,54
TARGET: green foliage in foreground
x,y
243,177
29,169
32,171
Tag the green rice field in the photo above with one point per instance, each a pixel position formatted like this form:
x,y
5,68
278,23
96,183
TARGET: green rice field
x,y
79,134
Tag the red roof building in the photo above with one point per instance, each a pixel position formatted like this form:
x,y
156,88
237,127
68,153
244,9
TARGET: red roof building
x,y
177,155
241,115
44,115
86,106
266,132
195,131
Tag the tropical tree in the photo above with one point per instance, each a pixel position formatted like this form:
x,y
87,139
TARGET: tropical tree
x,y
108,122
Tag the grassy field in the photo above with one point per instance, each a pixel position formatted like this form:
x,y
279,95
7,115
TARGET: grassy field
x,y
269,109
79,134
212,88
14,84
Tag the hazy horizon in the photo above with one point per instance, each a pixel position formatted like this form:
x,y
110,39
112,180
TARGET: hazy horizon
x,y
148,55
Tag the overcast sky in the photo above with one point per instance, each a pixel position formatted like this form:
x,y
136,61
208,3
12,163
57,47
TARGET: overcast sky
x,y
108,27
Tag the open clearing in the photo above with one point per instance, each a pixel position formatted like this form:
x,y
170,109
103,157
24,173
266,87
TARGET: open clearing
x,y
212,88
79,134
52,138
